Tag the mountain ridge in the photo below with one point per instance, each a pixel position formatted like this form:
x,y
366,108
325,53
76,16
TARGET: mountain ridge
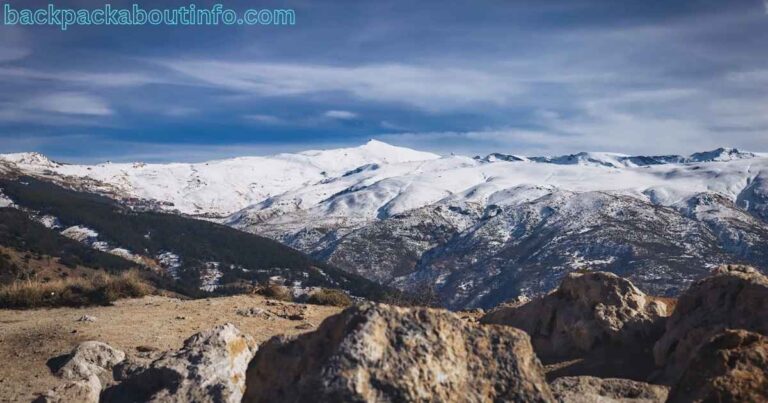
x,y
476,231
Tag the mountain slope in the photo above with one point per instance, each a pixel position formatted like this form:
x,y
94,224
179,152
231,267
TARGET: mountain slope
x,y
24,236
196,255
479,232
479,256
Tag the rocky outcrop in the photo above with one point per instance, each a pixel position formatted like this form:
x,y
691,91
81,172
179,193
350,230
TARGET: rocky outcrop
x,y
385,353
91,358
87,370
730,367
587,310
733,297
588,389
290,311
81,391
713,348
255,312
210,367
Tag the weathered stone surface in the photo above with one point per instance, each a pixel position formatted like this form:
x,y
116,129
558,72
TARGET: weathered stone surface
x,y
731,367
588,389
80,391
209,368
91,358
87,369
254,312
588,310
734,297
86,318
305,326
289,311
380,353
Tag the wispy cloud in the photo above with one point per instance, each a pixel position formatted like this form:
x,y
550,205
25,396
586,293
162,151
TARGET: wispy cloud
x,y
111,79
430,88
265,119
512,76
70,103
179,111
674,120
751,77
340,115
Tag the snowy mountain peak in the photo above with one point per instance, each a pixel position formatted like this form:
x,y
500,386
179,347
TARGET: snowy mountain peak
x,y
616,160
374,151
720,154
493,157
30,159
373,143
613,160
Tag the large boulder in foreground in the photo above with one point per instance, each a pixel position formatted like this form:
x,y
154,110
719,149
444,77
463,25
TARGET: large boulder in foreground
x,y
91,358
730,367
380,353
733,297
210,367
587,311
588,389
80,391
86,371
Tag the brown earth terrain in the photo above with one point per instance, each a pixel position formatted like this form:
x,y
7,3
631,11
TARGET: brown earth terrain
x,y
603,338
30,338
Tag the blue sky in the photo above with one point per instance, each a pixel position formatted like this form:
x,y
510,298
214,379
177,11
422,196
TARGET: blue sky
x,y
525,77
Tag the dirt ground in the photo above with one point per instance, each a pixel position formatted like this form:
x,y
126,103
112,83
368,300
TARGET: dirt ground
x,y
29,338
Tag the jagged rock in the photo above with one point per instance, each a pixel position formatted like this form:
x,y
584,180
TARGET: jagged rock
x,y
473,315
81,391
383,353
588,310
290,311
209,368
734,297
254,313
91,358
520,300
588,389
730,367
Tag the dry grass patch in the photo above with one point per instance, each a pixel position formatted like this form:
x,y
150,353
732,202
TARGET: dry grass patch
x,y
276,291
329,297
101,289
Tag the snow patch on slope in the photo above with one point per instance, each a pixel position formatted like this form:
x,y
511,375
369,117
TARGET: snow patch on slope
x,y
30,160
81,234
171,263
90,238
5,201
210,277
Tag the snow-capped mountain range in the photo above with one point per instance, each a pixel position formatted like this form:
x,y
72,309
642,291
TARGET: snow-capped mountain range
x,y
216,188
476,230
